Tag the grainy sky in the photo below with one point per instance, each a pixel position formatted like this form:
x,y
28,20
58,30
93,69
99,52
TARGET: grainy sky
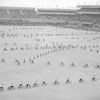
x,y
48,3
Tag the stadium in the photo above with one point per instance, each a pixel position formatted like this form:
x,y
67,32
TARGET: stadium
x,y
50,53
83,15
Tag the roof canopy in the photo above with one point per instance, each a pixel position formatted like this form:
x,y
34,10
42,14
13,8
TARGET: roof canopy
x,y
88,6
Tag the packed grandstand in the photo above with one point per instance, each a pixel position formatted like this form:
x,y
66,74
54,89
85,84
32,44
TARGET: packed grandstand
x,y
84,15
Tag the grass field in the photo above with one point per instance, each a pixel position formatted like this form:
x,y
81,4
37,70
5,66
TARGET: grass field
x,y
43,44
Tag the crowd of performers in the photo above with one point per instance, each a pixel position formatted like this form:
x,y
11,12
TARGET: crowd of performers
x,y
52,46
48,49
28,85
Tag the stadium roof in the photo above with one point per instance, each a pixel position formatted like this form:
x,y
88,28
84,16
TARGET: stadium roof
x,y
89,9
56,11
4,7
89,6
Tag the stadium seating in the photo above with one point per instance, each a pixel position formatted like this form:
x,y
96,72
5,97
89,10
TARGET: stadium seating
x,y
59,17
28,13
4,13
15,13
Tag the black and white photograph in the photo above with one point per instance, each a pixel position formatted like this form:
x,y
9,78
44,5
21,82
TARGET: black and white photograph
x,y
49,49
